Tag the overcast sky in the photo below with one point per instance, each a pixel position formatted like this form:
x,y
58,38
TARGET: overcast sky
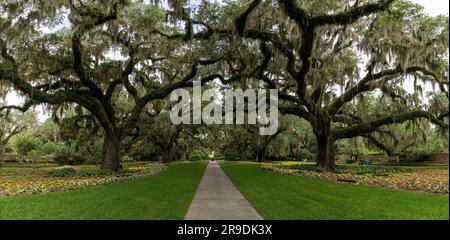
x,y
432,7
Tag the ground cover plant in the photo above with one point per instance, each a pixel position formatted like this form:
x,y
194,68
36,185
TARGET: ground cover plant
x,y
19,181
420,179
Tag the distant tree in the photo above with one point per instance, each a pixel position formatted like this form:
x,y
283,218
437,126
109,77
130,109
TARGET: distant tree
x,y
12,124
25,143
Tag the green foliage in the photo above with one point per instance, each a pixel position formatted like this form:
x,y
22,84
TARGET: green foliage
x,y
197,155
126,158
64,172
51,148
306,154
47,131
23,144
417,154
67,156
231,154
70,172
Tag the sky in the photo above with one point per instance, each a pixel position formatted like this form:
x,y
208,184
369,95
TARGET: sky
x,y
431,7
434,7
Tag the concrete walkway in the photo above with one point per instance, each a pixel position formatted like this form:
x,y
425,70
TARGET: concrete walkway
x,y
217,199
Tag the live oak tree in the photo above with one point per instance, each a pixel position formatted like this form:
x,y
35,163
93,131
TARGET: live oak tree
x,y
90,53
313,53
12,124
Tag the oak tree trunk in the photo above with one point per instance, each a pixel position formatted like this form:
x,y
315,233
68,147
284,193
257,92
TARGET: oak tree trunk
x,y
242,155
325,156
322,131
182,155
111,152
261,155
167,155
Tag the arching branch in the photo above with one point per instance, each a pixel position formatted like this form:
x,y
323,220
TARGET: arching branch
x,y
351,15
379,144
98,18
366,84
22,108
363,128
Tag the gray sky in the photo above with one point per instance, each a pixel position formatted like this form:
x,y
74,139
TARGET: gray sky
x,y
432,7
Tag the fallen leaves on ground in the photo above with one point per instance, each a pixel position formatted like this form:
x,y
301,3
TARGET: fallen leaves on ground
x,y
417,180
18,181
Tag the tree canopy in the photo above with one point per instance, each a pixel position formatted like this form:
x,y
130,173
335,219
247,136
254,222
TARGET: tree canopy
x,y
114,58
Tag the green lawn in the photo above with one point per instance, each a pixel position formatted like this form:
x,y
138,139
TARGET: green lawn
x,y
163,196
281,196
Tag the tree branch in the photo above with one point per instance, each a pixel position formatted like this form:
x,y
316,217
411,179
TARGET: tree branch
x,y
98,18
351,15
241,20
363,128
365,85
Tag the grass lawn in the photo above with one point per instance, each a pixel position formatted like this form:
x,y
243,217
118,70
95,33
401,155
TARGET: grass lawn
x,y
282,196
163,196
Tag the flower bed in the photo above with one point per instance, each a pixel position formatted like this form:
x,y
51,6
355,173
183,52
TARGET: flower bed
x,y
417,180
34,181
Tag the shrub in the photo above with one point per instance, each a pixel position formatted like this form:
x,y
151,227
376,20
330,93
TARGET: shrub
x,y
231,154
70,172
303,154
197,155
350,161
415,156
219,156
94,156
35,152
126,158
23,144
67,156
64,172
51,148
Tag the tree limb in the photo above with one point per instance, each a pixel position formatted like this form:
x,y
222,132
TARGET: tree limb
x,y
351,15
364,128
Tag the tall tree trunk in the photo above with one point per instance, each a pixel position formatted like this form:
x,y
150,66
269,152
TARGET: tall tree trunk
x,y
242,156
325,154
111,152
167,154
182,155
261,155
242,152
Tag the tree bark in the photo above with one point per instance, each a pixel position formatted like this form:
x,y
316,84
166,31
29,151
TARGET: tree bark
x,y
182,155
325,158
242,156
167,155
242,152
325,155
261,155
111,152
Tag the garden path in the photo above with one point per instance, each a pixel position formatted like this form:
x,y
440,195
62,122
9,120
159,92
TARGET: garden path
x,y
218,199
